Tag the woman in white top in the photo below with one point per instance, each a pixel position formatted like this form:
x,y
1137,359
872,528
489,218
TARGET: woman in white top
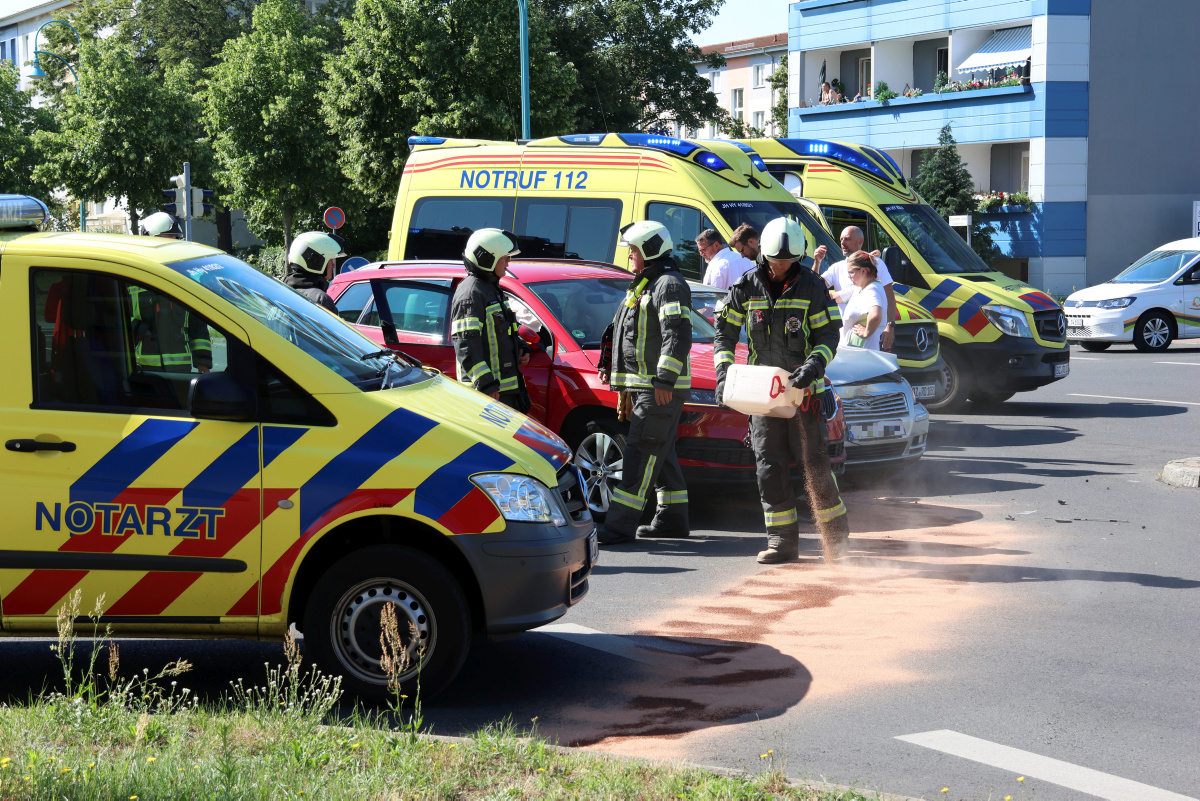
x,y
862,319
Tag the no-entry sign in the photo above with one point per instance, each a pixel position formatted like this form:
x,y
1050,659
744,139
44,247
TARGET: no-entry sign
x,y
335,218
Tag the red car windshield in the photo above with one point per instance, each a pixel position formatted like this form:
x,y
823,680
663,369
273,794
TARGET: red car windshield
x,y
585,307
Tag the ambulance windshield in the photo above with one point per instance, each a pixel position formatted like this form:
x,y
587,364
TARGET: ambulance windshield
x,y
760,212
941,246
301,322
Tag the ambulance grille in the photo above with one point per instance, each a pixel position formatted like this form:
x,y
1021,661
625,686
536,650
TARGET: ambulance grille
x,y
570,488
910,337
1051,325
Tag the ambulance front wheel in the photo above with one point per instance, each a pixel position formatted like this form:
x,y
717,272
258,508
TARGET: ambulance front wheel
x,y
342,621
958,382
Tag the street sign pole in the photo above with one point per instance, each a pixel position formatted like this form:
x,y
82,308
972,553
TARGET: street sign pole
x,y
962,221
187,202
523,7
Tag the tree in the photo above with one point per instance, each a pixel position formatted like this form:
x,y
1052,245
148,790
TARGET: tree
x,y
736,128
19,119
438,68
124,134
778,81
944,183
263,110
635,61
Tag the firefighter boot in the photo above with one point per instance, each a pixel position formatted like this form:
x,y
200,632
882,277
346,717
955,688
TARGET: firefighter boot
x,y
780,548
670,518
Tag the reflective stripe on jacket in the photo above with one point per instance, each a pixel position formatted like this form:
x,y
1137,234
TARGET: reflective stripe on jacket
x,y
652,333
167,335
802,322
484,333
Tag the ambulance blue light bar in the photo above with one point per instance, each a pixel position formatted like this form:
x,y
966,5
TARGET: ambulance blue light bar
x,y
835,152
755,159
886,161
413,141
22,211
583,139
712,161
677,147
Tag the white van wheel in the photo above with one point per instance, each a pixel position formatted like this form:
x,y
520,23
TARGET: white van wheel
x,y
1152,334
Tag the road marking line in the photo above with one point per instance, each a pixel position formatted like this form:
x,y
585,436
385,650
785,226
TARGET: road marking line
x,y
1085,358
598,640
1190,364
1064,774
1143,400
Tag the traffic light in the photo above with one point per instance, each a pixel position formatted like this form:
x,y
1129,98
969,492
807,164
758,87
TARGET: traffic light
x,y
177,198
200,207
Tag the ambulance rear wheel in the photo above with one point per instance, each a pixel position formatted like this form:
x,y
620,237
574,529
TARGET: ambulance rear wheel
x,y
958,382
342,621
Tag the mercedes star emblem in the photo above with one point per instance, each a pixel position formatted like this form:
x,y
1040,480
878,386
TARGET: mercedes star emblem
x,y
922,340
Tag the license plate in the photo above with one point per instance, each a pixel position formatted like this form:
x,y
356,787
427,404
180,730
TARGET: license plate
x,y
925,391
593,549
1062,369
879,429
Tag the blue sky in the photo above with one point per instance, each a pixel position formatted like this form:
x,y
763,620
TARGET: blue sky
x,y
744,19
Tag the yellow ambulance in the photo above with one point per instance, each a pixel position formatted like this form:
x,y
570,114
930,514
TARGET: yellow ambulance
x,y
216,456
568,196
999,336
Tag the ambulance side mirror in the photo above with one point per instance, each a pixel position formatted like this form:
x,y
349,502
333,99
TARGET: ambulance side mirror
x,y
220,396
902,269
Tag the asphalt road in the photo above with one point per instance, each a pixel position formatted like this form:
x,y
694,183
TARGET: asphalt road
x,y
1029,589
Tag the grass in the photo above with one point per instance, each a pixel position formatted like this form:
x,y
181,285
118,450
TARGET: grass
x,y
147,738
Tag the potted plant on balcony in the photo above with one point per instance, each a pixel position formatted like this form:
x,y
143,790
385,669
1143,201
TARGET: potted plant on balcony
x,y
883,94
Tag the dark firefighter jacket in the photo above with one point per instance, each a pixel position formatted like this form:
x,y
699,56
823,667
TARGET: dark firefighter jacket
x,y
312,287
168,336
484,332
652,333
802,323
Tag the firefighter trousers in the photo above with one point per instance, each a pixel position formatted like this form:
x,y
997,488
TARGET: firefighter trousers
x,y
650,463
778,442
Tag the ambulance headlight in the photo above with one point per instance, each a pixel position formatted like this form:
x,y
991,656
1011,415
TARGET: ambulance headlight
x,y
522,499
1010,321
1115,303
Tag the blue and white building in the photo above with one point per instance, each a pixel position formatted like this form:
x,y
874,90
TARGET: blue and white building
x,y
1102,137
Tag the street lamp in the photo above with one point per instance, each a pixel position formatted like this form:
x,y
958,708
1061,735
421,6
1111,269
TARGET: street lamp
x,y
38,72
523,7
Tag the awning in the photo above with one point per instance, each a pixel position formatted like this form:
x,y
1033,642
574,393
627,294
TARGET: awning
x,y
1010,47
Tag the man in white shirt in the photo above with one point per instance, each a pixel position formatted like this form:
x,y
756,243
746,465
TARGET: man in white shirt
x,y
724,266
837,278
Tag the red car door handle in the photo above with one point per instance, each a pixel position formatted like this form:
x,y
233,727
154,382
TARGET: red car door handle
x,y
30,445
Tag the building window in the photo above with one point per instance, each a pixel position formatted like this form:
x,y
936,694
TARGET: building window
x,y
715,78
759,73
758,119
3,50
736,104
864,77
943,61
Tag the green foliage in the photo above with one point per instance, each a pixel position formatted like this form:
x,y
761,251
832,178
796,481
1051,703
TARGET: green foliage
x,y
738,129
18,122
778,81
634,59
441,69
940,82
125,134
944,183
882,93
263,110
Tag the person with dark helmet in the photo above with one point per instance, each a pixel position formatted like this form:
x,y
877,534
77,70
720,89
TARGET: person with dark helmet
x,y
792,324
483,328
312,261
167,337
650,366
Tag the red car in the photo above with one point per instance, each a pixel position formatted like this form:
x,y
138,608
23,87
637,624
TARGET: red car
x,y
564,307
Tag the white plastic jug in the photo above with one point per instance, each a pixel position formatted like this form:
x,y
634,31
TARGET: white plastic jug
x,y
761,390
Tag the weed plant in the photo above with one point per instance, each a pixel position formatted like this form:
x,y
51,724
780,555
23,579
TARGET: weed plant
x,y
146,737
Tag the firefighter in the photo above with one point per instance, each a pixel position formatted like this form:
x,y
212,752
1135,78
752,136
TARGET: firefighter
x,y
483,327
167,337
651,340
792,324
312,260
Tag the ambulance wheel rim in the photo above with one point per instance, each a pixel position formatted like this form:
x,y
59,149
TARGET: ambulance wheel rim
x,y
599,457
356,626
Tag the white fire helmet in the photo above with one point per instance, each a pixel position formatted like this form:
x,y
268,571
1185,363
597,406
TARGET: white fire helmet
x,y
782,240
650,238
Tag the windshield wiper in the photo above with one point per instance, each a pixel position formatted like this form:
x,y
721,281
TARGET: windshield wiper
x,y
394,355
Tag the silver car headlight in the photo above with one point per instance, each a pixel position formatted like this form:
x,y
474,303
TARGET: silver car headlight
x,y
522,499
1115,303
1009,320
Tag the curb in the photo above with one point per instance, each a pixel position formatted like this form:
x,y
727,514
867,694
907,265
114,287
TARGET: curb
x,y
877,795
1182,472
